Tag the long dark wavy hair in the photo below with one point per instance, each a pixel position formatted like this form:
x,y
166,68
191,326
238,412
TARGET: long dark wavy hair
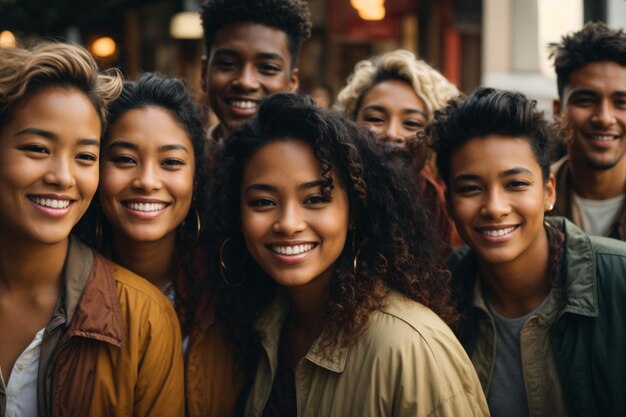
x,y
170,94
397,244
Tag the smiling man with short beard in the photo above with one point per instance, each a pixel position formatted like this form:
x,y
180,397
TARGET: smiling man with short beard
x,y
591,179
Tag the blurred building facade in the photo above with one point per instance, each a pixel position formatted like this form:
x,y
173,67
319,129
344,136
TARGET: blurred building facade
x,y
500,43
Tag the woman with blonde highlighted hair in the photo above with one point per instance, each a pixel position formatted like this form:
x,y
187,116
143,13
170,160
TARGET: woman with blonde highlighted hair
x,y
396,95
79,335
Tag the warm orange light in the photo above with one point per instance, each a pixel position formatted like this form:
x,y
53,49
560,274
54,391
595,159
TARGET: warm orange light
x,y
7,39
103,47
372,13
369,9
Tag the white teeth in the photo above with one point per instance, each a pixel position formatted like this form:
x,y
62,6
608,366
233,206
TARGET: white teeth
x,y
146,206
602,138
292,250
499,232
52,203
243,104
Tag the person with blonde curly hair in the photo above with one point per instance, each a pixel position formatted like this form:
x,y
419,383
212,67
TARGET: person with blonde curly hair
x,y
79,335
396,95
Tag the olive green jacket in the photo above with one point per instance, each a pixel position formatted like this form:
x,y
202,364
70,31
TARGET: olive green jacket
x,y
407,363
588,337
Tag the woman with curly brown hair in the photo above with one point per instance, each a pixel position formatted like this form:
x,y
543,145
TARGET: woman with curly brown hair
x,y
332,291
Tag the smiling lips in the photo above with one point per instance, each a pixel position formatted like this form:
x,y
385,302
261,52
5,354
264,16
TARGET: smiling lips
x,y
243,107
145,209
293,253
497,234
52,206
602,140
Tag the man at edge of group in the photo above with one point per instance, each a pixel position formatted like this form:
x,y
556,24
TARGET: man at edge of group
x,y
591,179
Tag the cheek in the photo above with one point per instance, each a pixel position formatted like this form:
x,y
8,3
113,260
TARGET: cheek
x,y
113,181
462,210
88,179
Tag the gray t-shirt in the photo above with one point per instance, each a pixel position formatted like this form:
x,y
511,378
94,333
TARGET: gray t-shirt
x,y
507,393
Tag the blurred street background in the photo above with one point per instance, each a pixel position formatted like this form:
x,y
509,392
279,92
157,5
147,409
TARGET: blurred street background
x,y
499,43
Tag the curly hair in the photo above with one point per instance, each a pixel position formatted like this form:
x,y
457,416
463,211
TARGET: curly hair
x,y
170,94
400,65
290,16
393,235
487,112
594,42
27,70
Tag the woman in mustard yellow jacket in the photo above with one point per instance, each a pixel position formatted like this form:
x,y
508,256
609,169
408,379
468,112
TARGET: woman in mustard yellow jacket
x,y
79,335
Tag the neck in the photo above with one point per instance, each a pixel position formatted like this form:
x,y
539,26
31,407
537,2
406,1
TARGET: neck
x,y
518,287
153,261
31,267
597,184
306,305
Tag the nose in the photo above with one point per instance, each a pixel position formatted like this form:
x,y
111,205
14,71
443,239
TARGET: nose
x,y
603,115
393,133
289,220
495,205
61,173
147,179
247,80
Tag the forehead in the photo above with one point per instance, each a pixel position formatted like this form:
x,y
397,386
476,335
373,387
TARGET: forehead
x,y
284,161
57,109
493,154
602,76
249,38
149,126
393,94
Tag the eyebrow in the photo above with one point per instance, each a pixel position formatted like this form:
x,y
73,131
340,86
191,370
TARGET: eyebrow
x,y
53,137
376,107
122,144
507,173
260,55
271,188
173,147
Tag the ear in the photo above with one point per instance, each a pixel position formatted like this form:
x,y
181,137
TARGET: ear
x,y
294,80
203,75
556,109
550,192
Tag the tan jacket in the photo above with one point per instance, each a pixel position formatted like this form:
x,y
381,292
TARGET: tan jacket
x,y
407,363
113,346
211,385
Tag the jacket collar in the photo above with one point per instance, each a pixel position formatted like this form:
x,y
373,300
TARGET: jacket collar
x,y
92,308
580,284
580,295
332,358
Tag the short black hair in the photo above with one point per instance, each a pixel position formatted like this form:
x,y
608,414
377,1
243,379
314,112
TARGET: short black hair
x,y
594,42
290,16
487,112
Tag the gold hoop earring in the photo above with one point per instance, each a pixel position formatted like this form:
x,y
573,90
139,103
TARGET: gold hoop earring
x,y
356,252
198,226
224,269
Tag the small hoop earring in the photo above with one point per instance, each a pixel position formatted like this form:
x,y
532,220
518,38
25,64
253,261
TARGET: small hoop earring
x,y
356,252
224,269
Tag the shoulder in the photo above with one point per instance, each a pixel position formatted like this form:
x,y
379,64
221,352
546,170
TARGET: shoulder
x,y
610,259
404,324
137,294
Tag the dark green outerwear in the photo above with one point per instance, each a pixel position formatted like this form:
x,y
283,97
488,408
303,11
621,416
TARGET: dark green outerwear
x,y
589,336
